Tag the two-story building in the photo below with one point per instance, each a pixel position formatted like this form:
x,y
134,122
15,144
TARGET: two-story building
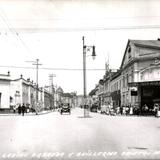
x,y
140,71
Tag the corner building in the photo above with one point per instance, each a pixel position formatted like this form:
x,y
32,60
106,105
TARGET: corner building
x,y
140,74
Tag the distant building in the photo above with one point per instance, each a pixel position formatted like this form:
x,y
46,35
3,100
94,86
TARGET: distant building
x,y
94,95
80,100
115,84
59,92
67,98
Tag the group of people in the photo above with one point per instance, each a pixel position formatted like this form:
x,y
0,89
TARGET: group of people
x,y
22,109
154,110
131,110
122,110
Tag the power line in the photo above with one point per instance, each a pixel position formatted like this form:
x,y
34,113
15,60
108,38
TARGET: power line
x,y
82,19
59,69
70,29
12,30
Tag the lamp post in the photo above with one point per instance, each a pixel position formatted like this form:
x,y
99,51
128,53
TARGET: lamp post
x,y
85,49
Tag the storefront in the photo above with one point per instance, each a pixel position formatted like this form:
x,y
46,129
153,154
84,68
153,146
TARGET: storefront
x,y
148,94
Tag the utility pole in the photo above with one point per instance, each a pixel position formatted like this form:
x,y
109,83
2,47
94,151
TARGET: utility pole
x,y
37,68
85,49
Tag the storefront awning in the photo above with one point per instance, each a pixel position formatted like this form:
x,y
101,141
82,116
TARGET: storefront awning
x,y
147,83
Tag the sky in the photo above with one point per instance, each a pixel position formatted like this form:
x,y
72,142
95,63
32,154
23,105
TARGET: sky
x,y
52,31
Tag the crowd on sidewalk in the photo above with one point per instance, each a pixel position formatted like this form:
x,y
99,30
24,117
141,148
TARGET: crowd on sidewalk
x,y
109,109
22,109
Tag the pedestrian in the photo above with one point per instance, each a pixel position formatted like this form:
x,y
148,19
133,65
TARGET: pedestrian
x,y
23,109
14,109
131,110
118,110
124,110
156,109
19,109
121,110
145,109
27,108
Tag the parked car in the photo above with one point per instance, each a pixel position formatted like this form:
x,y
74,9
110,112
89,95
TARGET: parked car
x,y
65,108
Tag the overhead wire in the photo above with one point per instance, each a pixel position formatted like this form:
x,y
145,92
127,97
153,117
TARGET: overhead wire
x,y
70,29
12,29
86,18
60,69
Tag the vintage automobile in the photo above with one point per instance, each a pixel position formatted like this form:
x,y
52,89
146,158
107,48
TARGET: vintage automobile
x,y
65,108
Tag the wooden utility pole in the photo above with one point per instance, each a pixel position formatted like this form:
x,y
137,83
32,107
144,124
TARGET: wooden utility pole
x,y
37,68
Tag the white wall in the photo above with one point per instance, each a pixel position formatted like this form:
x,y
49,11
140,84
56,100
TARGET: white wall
x,y
16,86
5,94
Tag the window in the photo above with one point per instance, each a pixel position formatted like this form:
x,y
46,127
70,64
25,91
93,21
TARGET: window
x,y
129,52
123,81
127,79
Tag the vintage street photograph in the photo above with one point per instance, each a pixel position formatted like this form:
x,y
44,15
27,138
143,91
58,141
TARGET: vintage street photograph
x,y
79,79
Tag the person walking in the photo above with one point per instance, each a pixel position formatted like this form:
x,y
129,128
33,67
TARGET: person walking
x,y
14,109
19,109
23,109
131,110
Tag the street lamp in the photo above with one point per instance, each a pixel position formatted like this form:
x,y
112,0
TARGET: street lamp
x,y
85,49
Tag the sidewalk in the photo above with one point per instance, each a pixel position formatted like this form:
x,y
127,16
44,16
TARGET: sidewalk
x,y
26,114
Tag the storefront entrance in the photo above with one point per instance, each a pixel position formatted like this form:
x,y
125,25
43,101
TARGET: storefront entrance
x,y
150,94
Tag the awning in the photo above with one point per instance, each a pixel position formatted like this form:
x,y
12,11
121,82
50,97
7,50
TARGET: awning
x,y
147,83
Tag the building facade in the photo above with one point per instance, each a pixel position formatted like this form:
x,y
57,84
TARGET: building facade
x,y
115,89
137,82
5,98
21,91
140,71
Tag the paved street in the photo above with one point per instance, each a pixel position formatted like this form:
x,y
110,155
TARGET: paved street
x,y
66,136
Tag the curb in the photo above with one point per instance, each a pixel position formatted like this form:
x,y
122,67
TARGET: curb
x,y
26,114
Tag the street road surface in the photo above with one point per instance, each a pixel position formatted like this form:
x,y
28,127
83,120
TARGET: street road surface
x,y
55,136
